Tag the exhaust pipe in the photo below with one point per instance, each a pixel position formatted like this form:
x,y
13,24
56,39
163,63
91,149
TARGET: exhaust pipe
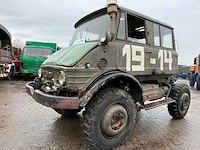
x,y
112,11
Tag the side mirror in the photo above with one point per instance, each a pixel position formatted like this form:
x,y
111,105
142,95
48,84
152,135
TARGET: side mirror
x,y
195,61
199,60
105,37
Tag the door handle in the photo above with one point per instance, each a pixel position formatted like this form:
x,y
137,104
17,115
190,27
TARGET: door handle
x,y
148,52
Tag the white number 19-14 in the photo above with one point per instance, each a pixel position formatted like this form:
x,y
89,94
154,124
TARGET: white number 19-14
x,y
136,54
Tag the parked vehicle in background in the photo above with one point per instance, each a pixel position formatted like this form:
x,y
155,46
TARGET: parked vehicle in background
x,y
33,54
194,74
119,62
16,60
183,72
6,65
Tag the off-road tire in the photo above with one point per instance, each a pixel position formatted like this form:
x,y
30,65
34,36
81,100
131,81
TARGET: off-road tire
x,y
67,112
191,78
11,73
198,82
108,118
179,108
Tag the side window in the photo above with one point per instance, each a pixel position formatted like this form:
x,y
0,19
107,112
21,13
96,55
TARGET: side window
x,y
162,36
136,29
121,30
156,32
15,51
166,37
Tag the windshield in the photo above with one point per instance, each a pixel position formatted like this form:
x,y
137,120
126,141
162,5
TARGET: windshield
x,y
37,52
91,30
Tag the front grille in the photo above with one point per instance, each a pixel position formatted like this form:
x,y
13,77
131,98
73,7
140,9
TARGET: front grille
x,y
102,63
47,74
76,77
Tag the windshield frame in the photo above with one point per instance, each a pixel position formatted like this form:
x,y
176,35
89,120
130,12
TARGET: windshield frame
x,y
84,27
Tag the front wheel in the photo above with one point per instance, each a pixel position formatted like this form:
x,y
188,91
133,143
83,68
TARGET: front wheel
x,y
108,118
179,108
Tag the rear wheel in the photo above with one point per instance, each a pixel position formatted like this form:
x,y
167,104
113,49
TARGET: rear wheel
x,y
108,118
179,108
67,112
198,82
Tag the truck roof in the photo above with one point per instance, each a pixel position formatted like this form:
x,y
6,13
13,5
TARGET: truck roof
x,y
5,30
102,10
41,44
144,16
5,45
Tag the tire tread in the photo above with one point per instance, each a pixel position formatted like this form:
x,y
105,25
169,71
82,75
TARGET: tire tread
x,y
173,107
92,107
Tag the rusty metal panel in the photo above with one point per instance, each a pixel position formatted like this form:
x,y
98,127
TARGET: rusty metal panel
x,y
157,103
150,91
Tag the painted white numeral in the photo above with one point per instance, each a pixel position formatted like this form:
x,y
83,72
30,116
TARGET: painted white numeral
x,y
162,55
168,60
137,56
127,51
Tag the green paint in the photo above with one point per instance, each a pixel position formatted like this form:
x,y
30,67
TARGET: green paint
x,y
53,46
69,56
31,62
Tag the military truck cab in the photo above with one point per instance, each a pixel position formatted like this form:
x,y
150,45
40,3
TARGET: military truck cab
x,y
6,65
119,62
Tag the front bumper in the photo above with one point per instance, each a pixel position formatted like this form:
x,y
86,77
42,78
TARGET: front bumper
x,y
3,75
57,102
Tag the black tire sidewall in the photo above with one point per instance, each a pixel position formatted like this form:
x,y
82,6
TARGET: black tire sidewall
x,y
102,139
182,113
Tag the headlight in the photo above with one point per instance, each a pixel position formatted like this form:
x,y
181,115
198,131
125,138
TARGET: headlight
x,y
105,37
61,78
40,73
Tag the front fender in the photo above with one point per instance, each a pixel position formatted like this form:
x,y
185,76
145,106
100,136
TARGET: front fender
x,y
102,81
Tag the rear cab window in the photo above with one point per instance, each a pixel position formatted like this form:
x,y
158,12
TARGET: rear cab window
x,y
163,36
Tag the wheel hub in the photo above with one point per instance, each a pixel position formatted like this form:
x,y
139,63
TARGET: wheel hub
x,y
185,98
117,121
114,120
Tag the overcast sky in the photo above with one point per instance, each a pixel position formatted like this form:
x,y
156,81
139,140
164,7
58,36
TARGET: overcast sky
x,y
53,20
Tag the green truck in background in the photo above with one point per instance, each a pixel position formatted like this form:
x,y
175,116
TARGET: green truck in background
x,y
33,55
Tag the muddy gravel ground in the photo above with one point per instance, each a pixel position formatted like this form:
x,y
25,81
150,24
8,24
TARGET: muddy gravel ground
x,y
27,125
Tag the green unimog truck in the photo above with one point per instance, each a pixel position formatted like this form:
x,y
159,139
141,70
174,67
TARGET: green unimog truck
x,y
119,62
